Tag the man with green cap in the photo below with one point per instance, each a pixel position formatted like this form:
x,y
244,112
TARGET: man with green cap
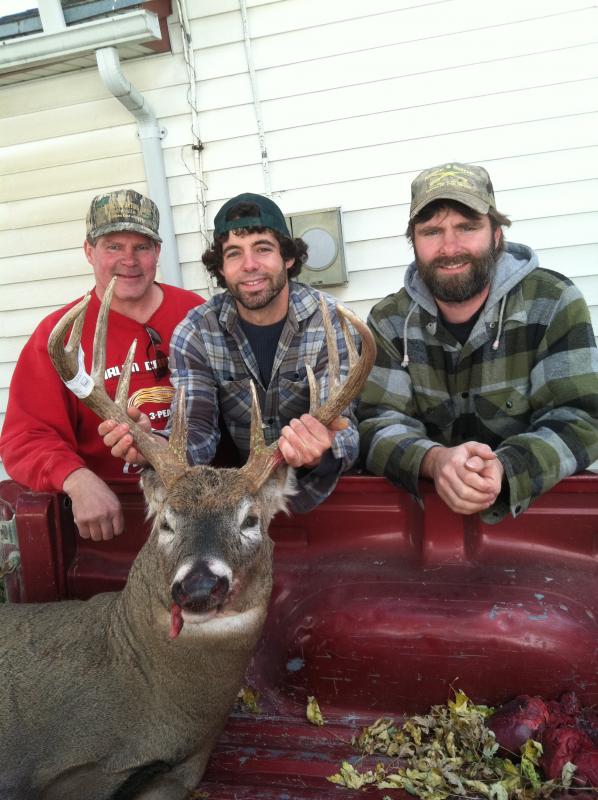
x,y
265,327
49,439
486,379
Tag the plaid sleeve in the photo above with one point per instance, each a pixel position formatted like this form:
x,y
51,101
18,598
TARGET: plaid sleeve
x,y
190,368
563,434
393,440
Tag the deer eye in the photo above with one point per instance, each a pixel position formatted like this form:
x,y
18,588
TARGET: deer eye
x,y
166,526
251,521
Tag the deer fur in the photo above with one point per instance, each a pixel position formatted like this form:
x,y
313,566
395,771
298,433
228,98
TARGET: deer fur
x,y
97,702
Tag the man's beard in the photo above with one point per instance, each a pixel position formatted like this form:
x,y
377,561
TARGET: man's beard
x,y
461,286
257,300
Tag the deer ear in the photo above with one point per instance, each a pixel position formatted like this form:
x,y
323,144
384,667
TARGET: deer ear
x,y
153,489
277,490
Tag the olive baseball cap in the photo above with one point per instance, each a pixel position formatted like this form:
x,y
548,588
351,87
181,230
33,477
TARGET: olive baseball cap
x,y
465,183
269,215
123,210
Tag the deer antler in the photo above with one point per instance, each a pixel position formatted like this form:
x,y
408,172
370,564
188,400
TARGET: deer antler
x,y
263,459
169,462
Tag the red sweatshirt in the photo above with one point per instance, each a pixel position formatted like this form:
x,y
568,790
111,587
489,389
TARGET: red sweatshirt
x,y
48,433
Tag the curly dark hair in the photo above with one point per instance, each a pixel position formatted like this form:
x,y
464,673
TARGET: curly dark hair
x,y
497,220
295,249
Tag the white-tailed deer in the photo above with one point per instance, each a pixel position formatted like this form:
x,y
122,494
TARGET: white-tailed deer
x,y
123,696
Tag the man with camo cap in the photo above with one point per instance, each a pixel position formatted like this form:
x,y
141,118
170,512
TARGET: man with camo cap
x,y
49,440
486,377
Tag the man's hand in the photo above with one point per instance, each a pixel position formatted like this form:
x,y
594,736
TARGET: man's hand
x,y
118,437
303,441
96,509
467,477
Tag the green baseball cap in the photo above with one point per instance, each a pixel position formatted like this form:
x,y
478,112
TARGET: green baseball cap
x,y
465,183
269,215
123,210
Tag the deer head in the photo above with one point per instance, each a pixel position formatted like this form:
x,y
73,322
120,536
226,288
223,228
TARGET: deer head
x,y
210,525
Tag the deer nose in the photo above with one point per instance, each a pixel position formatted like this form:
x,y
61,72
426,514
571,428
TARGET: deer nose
x,y
200,589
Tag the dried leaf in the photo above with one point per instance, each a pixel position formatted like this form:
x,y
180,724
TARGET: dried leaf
x,y
567,774
460,705
528,771
478,786
248,700
392,781
313,713
414,731
532,750
498,792
350,778
449,743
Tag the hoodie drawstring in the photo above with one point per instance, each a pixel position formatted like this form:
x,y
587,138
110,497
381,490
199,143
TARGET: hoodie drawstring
x,y
496,342
405,361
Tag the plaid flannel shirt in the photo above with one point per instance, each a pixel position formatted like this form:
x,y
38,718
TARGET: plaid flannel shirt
x,y
525,382
212,358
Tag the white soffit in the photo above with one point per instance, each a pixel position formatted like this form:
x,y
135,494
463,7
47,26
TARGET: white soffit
x,y
128,28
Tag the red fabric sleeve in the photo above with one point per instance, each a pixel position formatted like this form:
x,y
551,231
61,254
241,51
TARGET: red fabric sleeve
x,y
38,444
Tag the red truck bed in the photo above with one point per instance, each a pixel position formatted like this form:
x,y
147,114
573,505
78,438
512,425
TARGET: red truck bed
x,y
378,610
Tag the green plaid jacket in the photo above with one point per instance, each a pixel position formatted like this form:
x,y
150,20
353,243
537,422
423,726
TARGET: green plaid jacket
x,y
525,382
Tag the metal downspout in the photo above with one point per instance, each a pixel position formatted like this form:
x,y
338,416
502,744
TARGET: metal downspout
x,y
150,133
51,15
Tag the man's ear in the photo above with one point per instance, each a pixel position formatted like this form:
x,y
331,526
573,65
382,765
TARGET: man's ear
x,y
158,249
88,249
497,237
153,489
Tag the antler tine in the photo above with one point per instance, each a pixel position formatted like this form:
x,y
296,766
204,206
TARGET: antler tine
x,y
333,359
67,359
178,432
314,394
263,459
122,388
69,363
98,362
340,396
350,342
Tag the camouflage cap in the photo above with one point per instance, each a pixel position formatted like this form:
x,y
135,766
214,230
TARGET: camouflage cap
x,y
465,183
123,210
268,215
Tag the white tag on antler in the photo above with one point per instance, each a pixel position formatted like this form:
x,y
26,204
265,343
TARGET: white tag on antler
x,y
82,384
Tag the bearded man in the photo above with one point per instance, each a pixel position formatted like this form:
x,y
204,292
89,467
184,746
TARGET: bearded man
x,y
486,377
266,328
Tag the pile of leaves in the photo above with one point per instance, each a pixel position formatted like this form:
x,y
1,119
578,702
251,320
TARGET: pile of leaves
x,y
449,752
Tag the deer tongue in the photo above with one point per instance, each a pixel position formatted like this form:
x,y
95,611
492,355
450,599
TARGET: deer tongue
x,y
176,621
